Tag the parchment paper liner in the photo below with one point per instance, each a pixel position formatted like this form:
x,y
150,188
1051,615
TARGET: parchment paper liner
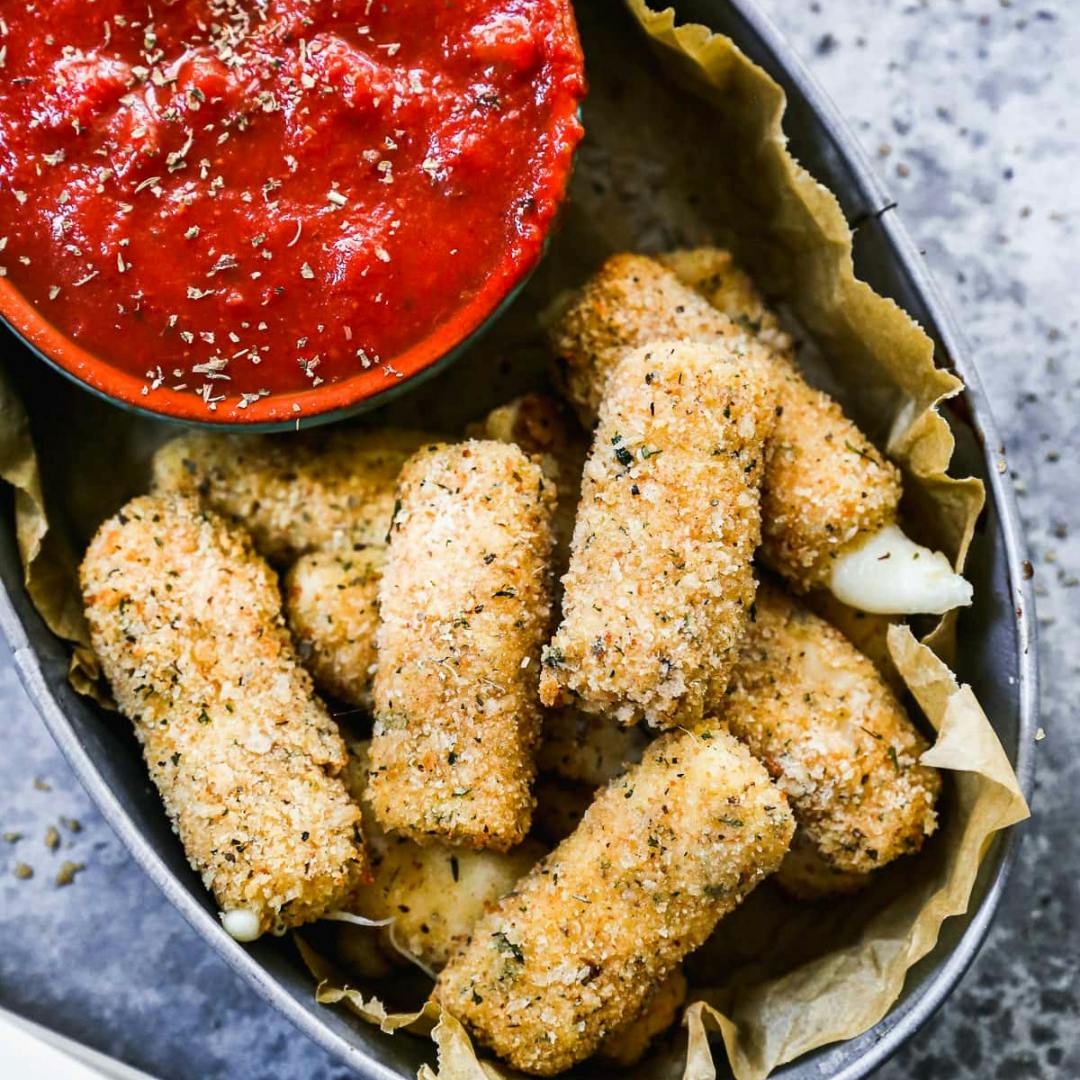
x,y
693,155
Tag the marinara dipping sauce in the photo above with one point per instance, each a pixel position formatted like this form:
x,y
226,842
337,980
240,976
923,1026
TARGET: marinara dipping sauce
x,y
262,210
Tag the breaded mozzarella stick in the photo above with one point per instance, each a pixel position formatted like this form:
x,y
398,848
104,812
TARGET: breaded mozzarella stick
x,y
631,302
186,620
713,273
331,598
656,597
826,490
663,853
465,606
810,706
629,1042
545,426
293,494
332,608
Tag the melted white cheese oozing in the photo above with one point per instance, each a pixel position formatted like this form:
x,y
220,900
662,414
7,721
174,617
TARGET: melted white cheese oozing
x,y
888,574
242,924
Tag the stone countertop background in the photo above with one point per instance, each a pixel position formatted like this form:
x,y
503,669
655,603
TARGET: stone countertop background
x,y
968,108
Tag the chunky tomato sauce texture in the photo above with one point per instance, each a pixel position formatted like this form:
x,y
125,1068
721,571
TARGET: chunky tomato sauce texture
x,y
235,202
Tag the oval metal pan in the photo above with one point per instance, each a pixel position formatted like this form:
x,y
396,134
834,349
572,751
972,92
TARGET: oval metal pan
x,y
998,635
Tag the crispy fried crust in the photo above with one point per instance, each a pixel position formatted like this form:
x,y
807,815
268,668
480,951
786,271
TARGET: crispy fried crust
x,y
869,633
810,706
713,273
587,748
825,482
293,494
465,606
629,1042
332,607
826,485
186,620
662,854
544,426
660,582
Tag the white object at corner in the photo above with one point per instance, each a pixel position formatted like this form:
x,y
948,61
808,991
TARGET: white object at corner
x,y
32,1052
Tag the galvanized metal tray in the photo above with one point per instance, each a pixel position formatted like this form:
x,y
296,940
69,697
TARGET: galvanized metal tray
x,y
997,655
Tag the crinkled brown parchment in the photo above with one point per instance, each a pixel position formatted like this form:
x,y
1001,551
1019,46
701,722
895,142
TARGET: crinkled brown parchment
x,y
684,147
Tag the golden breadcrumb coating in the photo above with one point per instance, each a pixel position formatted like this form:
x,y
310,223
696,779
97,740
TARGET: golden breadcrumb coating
x,y
656,597
294,494
586,747
465,606
713,273
805,875
810,706
868,632
825,483
435,894
631,302
543,425
628,1043
662,854
186,620
332,608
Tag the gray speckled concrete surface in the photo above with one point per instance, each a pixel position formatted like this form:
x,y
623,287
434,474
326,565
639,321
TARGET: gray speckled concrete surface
x,y
969,110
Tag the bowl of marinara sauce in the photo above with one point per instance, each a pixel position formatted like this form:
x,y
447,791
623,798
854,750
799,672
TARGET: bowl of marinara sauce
x,y
268,211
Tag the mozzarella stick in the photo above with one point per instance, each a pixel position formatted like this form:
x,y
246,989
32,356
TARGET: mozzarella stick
x,y
465,606
627,1044
186,620
331,598
293,494
810,706
662,854
827,491
587,748
332,608
713,273
543,426
656,596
